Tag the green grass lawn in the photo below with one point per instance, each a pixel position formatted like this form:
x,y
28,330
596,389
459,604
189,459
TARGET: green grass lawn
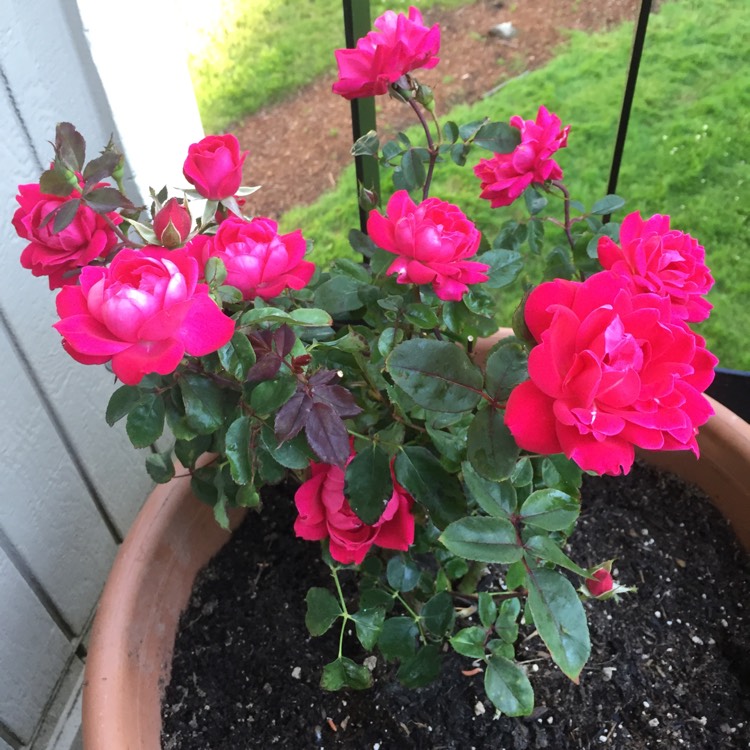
x,y
686,154
264,49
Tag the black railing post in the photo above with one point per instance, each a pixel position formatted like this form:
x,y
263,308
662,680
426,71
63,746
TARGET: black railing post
x,y
356,25
627,100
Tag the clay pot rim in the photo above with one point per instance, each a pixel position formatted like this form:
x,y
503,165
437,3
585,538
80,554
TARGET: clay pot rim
x,y
133,636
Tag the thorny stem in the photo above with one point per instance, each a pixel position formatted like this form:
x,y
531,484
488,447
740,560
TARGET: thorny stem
x,y
119,233
431,148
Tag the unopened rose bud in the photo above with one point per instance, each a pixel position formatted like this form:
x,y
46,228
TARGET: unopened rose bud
x,y
368,199
601,583
172,224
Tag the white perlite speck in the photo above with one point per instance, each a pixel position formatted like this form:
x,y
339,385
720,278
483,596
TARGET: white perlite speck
x,y
479,709
297,673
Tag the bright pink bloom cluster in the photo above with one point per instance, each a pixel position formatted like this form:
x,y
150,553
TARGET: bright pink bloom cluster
x,y
324,512
613,369
504,177
432,241
381,57
214,166
143,312
661,260
260,262
602,582
59,255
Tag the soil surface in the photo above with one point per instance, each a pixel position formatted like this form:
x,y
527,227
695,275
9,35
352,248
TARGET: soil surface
x,y
299,146
670,664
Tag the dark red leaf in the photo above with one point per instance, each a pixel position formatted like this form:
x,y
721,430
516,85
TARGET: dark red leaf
x,y
323,377
265,368
284,339
70,147
101,167
55,182
65,215
339,398
327,435
292,416
106,199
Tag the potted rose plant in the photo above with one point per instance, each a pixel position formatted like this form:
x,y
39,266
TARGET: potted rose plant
x,y
423,453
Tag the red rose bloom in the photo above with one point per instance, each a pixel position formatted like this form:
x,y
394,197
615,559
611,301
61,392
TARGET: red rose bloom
x,y
260,262
381,57
504,177
324,512
613,369
59,255
432,241
214,166
143,312
601,583
661,260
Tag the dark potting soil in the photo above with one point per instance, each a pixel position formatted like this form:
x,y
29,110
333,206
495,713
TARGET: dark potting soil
x,y
670,664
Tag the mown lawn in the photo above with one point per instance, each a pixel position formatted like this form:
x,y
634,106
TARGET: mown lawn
x,y
686,154
263,49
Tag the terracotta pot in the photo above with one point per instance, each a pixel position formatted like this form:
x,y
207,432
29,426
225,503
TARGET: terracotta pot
x,y
175,535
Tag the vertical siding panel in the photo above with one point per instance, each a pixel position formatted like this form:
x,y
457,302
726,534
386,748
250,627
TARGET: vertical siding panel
x,y
51,80
45,510
33,654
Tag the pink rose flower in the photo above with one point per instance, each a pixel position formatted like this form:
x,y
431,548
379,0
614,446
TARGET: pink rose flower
x,y
143,312
172,224
381,57
614,369
601,583
260,262
58,256
324,512
432,241
504,177
661,260
214,166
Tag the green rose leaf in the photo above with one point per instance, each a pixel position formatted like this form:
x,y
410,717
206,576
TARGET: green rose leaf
x,y
237,356
422,475
160,466
543,548
402,574
490,447
269,395
505,265
187,451
483,539
498,137
487,609
607,205
237,445
369,624
122,402
506,368
398,638
506,625
551,510
438,375
322,610
204,403
368,485
560,619
145,422
438,614
562,474
293,454
508,687
470,642
494,498
339,295
344,672
420,669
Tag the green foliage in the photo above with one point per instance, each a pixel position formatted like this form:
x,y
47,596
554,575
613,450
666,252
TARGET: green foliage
x,y
686,152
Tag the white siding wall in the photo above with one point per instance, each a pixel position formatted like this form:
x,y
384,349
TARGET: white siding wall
x,y
69,485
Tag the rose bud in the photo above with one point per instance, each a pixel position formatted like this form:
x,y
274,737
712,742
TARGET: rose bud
x,y
601,583
172,224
